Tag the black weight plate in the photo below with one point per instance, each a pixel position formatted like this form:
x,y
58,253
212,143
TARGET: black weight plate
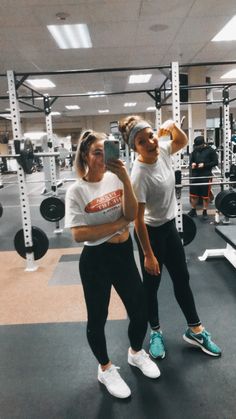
x,y
1,210
189,229
27,162
26,150
52,209
218,199
225,202
39,239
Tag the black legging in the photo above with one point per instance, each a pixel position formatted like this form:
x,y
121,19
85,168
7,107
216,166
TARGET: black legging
x,y
101,267
168,249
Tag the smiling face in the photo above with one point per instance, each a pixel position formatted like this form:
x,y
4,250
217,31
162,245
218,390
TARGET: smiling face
x,y
146,145
95,157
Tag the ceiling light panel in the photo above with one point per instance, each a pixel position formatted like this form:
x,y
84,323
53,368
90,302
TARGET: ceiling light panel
x,y
139,78
96,94
228,32
71,36
41,83
130,104
72,107
229,75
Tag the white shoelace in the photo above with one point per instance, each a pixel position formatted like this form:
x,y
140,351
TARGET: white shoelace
x,y
112,374
143,358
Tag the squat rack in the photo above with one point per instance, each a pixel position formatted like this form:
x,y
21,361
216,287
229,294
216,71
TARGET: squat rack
x,y
16,128
153,93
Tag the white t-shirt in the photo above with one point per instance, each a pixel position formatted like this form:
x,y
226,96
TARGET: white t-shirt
x,y
154,185
94,203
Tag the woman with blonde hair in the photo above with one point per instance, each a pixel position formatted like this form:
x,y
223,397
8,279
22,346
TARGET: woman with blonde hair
x,y
158,240
99,208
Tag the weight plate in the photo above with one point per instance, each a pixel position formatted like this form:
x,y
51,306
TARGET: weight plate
x,y
1,210
26,151
52,209
40,243
189,229
225,202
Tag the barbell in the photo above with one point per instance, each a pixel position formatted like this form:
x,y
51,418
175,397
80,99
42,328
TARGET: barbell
x,y
225,201
24,154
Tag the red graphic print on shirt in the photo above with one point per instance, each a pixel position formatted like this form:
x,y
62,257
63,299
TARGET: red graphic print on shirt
x,y
108,200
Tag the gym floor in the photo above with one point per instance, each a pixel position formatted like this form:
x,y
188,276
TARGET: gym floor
x,y
47,370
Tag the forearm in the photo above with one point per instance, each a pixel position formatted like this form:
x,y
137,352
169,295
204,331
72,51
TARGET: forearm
x,y
130,205
212,163
129,202
96,232
179,137
143,237
209,165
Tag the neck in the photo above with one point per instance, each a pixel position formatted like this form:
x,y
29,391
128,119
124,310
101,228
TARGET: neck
x,y
93,177
147,160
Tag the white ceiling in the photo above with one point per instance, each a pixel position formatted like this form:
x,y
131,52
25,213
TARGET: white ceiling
x,y
122,36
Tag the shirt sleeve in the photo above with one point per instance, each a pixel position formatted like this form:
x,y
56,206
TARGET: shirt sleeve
x,y
74,215
140,188
213,159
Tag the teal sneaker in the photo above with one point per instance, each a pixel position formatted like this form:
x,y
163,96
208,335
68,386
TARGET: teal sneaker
x,y
203,340
157,348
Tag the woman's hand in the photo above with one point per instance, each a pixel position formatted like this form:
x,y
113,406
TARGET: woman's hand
x,y
119,169
166,128
151,265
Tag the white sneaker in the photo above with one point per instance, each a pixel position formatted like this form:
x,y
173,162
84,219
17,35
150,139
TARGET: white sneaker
x,y
113,382
142,360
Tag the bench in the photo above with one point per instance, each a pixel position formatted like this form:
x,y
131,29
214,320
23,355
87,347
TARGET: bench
x,y
228,233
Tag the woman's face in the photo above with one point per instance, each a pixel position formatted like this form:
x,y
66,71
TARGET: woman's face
x,y
95,156
146,144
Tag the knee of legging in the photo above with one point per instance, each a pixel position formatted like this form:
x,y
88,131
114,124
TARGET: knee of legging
x,y
182,289
139,314
96,324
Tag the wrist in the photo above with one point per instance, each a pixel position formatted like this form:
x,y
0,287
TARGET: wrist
x,y
148,254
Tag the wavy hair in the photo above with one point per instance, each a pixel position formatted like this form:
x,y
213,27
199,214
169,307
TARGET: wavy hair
x,y
126,124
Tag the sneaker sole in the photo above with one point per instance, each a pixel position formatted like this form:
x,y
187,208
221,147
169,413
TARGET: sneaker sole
x,y
158,357
149,376
115,395
193,342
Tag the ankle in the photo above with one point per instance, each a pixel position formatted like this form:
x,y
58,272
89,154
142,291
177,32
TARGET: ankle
x,y
106,366
156,331
197,329
133,352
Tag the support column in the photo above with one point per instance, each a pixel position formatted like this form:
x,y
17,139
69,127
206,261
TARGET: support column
x,y
197,76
